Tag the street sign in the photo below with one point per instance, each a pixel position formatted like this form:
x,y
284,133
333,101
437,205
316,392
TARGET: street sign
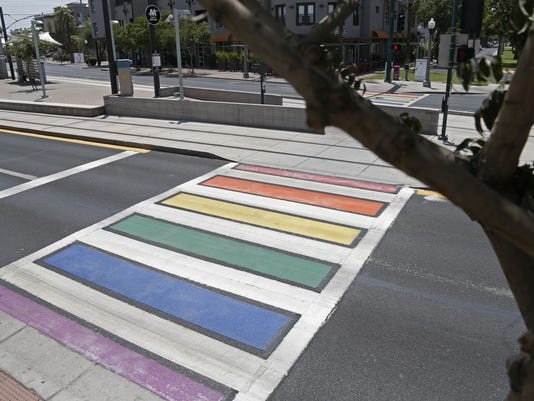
x,y
153,15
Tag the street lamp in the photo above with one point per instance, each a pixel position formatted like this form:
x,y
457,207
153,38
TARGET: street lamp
x,y
38,56
431,25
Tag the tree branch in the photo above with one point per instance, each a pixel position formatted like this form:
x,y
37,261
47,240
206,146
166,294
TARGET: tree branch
x,y
500,156
331,103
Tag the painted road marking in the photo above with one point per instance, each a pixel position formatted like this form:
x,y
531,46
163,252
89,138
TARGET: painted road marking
x,y
324,251
251,376
78,141
165,382
321,199
393,189
245,285
289,268
62,174
310,228
18,175
394,99
311,185
426,192
254,328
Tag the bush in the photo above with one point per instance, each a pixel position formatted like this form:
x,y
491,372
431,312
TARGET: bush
x,y
211,60
91,61
221,60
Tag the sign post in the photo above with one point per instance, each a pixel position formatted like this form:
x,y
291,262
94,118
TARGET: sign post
x,y
153,16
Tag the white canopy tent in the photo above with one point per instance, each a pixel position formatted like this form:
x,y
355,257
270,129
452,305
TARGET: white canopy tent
x,y
45,37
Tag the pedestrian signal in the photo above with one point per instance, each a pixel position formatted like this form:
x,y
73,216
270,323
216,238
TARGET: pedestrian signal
x,y
464,54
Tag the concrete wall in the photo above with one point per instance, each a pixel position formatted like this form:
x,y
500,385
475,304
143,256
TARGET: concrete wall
x,y
263,116
217,95
52,108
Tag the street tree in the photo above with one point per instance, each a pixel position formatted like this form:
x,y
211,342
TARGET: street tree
x,y
83,38
440,10
488,184
193,35
503,20
22,47
65,29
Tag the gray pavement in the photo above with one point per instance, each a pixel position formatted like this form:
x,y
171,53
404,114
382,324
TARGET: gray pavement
x,y
333,153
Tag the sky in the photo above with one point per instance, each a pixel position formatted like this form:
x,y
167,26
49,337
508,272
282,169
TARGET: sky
x,y
17,9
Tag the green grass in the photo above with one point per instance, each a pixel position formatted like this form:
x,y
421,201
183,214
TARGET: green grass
x,y
434,77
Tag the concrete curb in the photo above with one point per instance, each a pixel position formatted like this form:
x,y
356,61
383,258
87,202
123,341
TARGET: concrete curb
x,y
129,144
52,108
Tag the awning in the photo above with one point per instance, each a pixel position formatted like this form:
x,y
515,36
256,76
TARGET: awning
x,y
380,34
222,37
45,37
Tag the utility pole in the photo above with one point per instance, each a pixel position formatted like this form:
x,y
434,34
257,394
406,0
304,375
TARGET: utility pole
x,y
9,59
390,41
445,101
110,49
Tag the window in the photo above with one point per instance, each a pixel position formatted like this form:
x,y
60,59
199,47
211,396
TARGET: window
x,y
331,7
280,13
92,4
377,9
356,17
306,14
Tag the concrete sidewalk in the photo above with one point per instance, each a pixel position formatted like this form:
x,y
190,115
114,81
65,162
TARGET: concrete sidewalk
x,y
334,153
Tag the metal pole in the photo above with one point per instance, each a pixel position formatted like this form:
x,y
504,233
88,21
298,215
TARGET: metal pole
x,y
445,102
153,50
179,52
262,83
38,56
426,82
390,41
245,63
4,30
110,49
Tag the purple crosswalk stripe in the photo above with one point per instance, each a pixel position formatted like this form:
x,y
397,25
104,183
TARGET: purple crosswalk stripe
x,y
147,373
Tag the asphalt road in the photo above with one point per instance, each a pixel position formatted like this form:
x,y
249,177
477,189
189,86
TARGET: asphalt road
x,y
39,216
429,317
457,101
74,71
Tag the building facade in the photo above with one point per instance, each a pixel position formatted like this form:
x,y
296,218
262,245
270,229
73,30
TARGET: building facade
x,y
362,38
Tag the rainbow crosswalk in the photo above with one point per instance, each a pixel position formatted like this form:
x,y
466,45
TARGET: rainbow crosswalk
x,y
226,278
393,99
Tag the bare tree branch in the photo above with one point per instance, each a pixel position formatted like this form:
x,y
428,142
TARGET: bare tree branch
x,y
500,156
332,21
331,103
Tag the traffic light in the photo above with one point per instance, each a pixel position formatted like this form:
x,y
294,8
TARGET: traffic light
x,y
464,54
396,48
400,22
